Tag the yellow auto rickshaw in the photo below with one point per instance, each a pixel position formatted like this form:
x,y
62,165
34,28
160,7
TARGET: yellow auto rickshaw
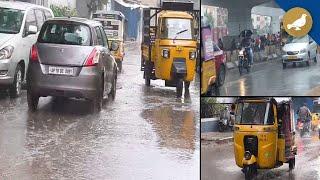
x,y
113,23
264,134
169,47
209,86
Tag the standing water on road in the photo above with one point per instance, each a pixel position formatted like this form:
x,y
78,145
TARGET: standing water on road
x,y
146,133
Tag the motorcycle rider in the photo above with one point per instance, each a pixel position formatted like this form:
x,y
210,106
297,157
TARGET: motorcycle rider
x,y
247,44
225,115
305,115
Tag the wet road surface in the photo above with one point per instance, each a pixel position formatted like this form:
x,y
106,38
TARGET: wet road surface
x,y
269,78
218,163
146,133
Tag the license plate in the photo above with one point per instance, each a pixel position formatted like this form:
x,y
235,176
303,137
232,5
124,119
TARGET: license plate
x,y
292,57
60,70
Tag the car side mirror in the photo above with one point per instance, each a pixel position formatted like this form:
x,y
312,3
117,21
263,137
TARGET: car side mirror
x,y
32,30
114,46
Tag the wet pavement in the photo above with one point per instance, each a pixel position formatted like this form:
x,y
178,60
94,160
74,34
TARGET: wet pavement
x,y
146,133
218,163
269,78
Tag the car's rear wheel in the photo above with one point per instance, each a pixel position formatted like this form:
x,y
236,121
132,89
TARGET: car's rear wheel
x,y
15,88
221,75
33,100
97,102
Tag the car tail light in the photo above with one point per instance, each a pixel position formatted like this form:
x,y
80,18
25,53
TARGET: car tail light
x,y
93,58
34,55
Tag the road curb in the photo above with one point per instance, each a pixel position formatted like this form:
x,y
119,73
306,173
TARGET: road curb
x,y
234,64
218,140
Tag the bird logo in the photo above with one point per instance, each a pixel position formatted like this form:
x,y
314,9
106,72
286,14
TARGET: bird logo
x,y
297,22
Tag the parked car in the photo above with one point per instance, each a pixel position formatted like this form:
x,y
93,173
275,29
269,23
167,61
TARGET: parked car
x,y
19,26
71,58
299,50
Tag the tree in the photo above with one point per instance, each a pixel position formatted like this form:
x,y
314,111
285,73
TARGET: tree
x,y
94,5
63,11
210,107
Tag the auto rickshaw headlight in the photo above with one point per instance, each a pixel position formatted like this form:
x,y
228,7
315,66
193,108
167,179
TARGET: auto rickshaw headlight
x,y
192,55
165,53
247,155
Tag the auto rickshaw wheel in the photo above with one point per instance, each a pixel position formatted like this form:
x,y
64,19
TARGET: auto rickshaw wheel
x,y
249,172
179,87
119,63
294,64
147,73
221,75
308,63
292,163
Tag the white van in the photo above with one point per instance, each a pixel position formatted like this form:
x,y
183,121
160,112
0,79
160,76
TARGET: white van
x,y
19,26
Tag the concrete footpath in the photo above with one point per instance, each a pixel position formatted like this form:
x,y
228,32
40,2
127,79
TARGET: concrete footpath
x,y
217,137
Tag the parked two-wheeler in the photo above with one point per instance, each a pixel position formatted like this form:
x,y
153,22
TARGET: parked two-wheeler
x,y
225,124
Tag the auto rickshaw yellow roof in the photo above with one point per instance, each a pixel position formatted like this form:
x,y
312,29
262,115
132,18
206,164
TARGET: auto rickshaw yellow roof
x,y
175,14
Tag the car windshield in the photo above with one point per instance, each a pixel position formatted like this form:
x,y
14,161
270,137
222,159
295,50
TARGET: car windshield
x,y
65,33
175,28
304,39
10,20
251,113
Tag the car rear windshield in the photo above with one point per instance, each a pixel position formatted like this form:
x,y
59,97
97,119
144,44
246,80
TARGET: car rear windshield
x,y
61,32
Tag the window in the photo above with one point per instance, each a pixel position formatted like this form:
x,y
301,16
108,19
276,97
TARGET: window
x,y
40,18
175,28
99,36
47,14
10,20
104,37
30,20
63,33
251,113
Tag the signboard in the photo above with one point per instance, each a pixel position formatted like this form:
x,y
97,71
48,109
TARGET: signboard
x,y
207,43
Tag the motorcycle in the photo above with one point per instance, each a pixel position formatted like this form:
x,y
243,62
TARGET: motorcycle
x,y
304,127
244,62
224,124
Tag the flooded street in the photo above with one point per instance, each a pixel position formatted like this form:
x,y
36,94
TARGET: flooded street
x,y
218,161
270,79
146,133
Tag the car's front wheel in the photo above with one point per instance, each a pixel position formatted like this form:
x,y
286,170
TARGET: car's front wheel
x,y
15,88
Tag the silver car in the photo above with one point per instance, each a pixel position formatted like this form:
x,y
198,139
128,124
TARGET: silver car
x,y
71,58
19,27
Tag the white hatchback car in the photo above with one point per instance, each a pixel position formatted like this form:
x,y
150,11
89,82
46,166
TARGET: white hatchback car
x,y
19,26
302,49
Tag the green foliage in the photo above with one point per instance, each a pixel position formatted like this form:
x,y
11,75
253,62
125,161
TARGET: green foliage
x,y
210,107
63,11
